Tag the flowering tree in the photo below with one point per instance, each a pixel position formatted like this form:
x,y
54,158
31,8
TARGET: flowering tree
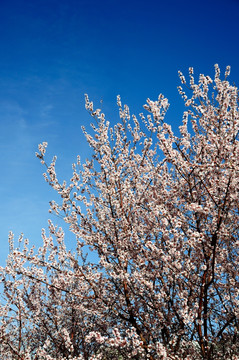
x,y
161,213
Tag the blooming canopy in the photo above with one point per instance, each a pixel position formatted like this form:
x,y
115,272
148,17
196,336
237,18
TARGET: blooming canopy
x,y
161,213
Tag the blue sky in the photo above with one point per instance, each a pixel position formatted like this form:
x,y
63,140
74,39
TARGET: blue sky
x,y
54,51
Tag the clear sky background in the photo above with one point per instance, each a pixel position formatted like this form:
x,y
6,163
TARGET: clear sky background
x,y
54,51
